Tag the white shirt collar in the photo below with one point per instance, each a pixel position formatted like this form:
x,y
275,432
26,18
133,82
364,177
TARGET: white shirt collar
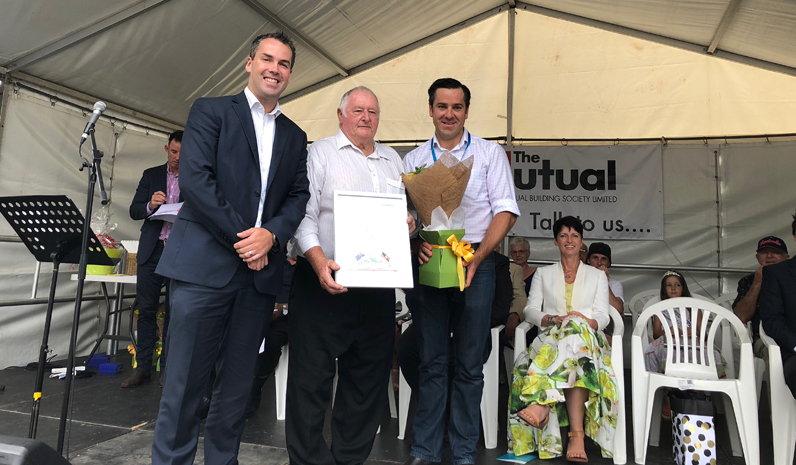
x,y
341,140
461,144
254,103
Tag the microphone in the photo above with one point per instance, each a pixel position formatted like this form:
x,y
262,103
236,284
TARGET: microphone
x,y
99,107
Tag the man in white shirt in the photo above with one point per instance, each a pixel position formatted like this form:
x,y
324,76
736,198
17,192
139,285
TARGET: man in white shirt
x,y
491,210
328,322
599,256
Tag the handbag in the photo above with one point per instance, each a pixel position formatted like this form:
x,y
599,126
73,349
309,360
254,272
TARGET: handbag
x,y
693,429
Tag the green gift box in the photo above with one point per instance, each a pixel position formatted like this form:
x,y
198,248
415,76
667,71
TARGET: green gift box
x,y
440,270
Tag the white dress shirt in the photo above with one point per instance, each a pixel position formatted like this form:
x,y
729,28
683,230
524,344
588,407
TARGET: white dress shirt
x,y
334,164
491,186
265,129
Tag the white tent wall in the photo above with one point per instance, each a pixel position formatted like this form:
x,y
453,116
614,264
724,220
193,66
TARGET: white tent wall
x,y
571,81
576,81
477,55
38,156
755,180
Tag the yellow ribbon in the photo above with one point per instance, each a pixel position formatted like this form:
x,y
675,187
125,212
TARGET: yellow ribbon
x,y
131,349
462,250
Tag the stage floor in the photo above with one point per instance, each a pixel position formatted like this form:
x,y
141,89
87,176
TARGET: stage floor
x,y
111,425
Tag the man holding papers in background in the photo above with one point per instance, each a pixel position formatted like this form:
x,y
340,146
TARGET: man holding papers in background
x,y
490,211
158,186
329,322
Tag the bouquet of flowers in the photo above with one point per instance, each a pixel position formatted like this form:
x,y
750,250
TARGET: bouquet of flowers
x,y
437,194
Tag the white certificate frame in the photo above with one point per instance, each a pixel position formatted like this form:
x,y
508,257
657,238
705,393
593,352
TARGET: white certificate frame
x,y
371,240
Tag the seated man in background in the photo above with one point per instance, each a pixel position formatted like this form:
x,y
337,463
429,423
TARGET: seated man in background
x,y
778,310
518,297
770,251
599,257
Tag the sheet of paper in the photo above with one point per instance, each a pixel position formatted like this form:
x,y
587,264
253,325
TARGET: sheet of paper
x,y
515,459
167,212
371,240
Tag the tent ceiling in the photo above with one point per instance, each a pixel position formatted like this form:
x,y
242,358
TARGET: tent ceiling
x,y
157,56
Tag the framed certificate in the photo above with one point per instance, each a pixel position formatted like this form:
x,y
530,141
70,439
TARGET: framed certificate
x,y
371,240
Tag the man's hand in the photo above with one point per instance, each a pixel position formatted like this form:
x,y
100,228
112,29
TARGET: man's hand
x,y
323,267
410,220
258,264
471,266
604,269
255,244
324,272
158,199
758,276
511,325
424,252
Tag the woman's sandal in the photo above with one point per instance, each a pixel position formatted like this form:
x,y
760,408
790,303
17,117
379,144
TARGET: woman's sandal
x,y
535,415
576,455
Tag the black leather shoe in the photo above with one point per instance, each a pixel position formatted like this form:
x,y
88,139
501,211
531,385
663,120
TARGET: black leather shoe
x,y
138,378
416,461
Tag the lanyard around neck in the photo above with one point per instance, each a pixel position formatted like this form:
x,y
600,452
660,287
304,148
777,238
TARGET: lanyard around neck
x,y
469,139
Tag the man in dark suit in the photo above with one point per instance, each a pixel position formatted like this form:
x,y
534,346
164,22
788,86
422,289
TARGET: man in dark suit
x,y
158,185
778,310
244,180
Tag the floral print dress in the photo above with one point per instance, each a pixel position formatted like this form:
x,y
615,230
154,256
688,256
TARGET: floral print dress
x,y
568,355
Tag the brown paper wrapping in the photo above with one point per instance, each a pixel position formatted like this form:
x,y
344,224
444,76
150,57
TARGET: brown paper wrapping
x,y
441,185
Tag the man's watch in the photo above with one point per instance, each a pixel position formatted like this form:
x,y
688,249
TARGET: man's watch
x,y
275,247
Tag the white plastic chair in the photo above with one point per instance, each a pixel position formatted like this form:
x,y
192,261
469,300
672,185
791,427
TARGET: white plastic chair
x,y
699,373
639,301
723,342
617,357
280,379
783,413
489,396
726,301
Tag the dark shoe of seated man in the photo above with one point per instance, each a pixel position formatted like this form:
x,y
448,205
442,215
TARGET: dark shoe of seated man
x,y
416,461
138,378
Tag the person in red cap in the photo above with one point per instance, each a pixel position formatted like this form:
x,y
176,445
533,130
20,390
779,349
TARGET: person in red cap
x,y
778,311
770,251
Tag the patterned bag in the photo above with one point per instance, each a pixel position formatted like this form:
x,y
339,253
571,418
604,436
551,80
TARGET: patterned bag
x,y
693,430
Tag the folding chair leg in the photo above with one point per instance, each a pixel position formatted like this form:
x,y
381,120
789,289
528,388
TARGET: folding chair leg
x,y
760,371
732,426
391,398
404,396
655,425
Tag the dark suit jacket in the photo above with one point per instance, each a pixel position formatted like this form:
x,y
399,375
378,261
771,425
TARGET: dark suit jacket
x,y
220,181
777,303
153,180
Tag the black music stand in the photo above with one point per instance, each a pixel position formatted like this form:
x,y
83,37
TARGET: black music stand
x,y
51,227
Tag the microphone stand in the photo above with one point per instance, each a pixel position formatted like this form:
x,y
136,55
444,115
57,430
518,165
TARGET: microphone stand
x,y
94,174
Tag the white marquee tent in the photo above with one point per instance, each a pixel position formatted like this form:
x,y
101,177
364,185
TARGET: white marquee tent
x,y
539,71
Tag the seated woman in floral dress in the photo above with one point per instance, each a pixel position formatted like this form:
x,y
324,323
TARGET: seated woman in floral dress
x,y
567,378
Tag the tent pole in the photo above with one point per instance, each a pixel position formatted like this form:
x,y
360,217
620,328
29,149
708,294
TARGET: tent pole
x,y
719,225
510,90
7,87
